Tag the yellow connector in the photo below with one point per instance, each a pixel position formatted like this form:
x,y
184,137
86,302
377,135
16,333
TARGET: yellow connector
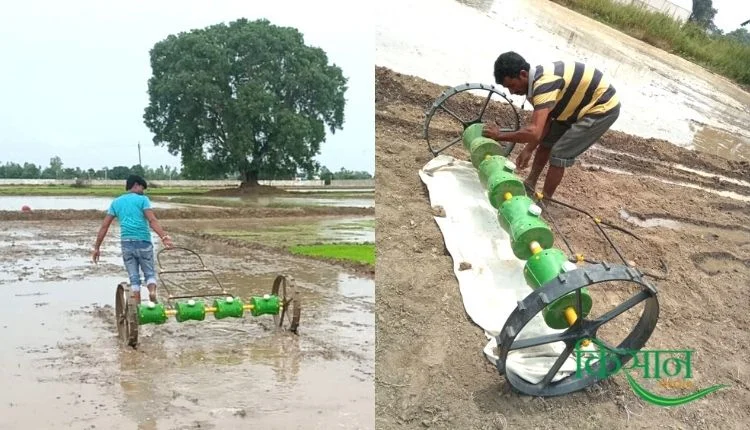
x,y
571,317
579,258
507,196
539,195
535,248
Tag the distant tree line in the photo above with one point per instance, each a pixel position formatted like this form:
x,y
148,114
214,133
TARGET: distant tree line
x,y
56,170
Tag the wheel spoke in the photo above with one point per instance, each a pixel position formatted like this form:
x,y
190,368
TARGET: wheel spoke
x,y
558,364
624,306
452,114
484,107
543,340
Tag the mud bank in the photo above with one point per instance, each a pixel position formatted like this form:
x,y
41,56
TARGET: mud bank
x,y
188,213
431,372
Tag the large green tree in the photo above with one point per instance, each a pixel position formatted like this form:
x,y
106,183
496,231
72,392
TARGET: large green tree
x,y
703,13
248,98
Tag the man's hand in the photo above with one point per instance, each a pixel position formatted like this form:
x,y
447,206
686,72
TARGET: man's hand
x,y
491,130
167,241
95,255
523,158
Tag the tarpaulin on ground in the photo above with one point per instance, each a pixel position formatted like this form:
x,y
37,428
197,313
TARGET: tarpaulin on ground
x,y
494,283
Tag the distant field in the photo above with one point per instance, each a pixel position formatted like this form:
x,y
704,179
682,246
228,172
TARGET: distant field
x,y
67,190
185,192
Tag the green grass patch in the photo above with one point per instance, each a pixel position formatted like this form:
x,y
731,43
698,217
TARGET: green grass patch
x,y
719,54
360,253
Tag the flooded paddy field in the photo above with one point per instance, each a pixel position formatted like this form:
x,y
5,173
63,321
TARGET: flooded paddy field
x,y
62,352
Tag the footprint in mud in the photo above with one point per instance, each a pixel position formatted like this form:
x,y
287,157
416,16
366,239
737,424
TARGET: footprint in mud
x,y
713,263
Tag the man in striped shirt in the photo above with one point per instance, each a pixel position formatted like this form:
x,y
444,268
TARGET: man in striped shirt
x,y
574,104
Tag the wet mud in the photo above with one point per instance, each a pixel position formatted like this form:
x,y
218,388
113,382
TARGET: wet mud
x,y
193,212
689,213
62,355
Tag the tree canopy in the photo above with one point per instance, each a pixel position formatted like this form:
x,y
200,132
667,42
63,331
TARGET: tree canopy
x,y
703,13
248,98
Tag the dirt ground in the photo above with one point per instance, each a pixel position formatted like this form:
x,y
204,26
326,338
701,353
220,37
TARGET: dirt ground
x,y
62,357
431,372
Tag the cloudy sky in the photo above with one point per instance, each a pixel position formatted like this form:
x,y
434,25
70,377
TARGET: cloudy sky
x,y
74,74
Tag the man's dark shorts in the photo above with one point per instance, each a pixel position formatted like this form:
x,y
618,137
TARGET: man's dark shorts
x,y
568,142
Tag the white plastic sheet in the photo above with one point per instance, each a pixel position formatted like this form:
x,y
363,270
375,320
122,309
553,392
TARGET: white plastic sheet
x,y
494,284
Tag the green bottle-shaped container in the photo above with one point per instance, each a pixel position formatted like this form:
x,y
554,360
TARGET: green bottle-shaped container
x,y
543,267
266,305
528,228
151,313
229,307
472,132
515,208
504,181
490,166
554,313
190,310
481,147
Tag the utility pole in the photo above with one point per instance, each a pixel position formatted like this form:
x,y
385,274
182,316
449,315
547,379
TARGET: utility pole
x,y
139,154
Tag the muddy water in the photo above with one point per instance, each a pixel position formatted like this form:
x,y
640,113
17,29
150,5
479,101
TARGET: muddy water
x,y
12,203
288,231
663,96
61,351
363,202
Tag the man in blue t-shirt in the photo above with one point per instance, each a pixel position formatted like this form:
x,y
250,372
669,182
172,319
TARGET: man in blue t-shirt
x,y
135,215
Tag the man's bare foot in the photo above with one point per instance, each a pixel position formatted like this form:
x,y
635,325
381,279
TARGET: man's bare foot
x,y
530,188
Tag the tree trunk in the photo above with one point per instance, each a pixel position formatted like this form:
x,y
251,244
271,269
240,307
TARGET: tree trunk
x,y
250,180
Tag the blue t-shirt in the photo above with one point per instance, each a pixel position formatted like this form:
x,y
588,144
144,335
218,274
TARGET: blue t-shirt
x,y
128,208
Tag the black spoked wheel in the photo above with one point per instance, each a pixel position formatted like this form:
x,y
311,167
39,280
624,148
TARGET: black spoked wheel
x,y
126,316
570,285
289,314
459,107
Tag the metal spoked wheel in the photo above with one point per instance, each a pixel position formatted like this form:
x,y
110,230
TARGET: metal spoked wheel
x,y
461,105
126,315
583,328
289,315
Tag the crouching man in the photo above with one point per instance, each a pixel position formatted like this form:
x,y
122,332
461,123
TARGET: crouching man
x,y
574,105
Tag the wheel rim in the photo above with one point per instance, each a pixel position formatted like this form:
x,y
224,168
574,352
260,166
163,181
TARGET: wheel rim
x,y
284,287
573,282
441,139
